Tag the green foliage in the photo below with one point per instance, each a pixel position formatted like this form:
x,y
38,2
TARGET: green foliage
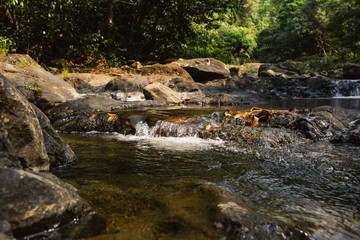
x,y
228,43
230,30
5,45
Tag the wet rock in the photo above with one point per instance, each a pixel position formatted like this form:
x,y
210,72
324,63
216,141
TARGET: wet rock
x,y
178,127
47,89
91,104
101,122
161,93
35,202
329,123
204,69
22,125
351,71
58,151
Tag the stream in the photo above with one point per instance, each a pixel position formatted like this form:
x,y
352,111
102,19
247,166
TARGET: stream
x,y
144,186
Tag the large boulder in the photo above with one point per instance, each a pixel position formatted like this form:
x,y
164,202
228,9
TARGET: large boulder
x,y
36,202
161,93
58,151
48,90
23,127
351,71
204,69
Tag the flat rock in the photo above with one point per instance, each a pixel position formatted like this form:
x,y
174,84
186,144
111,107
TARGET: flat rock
x,y
47,89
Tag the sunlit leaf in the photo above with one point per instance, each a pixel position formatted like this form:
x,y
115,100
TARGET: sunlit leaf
x,y
113,117
213,127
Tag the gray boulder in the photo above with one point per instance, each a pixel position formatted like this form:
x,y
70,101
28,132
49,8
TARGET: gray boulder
x,y
35,202
204,69
58,151
22,125
48,90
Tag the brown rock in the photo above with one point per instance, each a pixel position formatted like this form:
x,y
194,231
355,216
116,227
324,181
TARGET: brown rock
x,y
204,69
161,93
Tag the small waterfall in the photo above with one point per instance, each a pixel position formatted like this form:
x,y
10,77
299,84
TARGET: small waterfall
x,y
142,129
166,129
347,88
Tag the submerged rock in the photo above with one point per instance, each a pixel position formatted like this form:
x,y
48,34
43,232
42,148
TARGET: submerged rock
x,y
239,221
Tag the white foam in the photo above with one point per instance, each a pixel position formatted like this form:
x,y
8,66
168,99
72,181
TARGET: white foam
x,y
182,144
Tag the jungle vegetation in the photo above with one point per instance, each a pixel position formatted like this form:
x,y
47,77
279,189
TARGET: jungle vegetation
x,y
233,31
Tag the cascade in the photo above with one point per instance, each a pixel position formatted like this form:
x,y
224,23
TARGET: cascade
x,y
347,88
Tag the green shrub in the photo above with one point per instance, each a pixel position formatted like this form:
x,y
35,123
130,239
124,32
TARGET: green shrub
x,y
5,44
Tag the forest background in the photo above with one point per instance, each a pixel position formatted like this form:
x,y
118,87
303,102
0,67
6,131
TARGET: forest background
x,y
324,32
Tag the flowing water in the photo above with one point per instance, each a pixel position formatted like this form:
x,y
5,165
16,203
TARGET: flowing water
x,y
146,187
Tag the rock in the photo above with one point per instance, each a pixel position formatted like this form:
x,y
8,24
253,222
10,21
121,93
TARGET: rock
x,y
126,84
101,122
136,65
181,85
8,156
234,71
58,151
204,69
91,104
8,68
47,89
282,69
351,71
240,222
22,125
35,202
88,82
329,123
222,99
161,93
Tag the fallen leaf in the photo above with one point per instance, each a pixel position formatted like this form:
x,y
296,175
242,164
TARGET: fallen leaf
x,y
113,117
93,116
